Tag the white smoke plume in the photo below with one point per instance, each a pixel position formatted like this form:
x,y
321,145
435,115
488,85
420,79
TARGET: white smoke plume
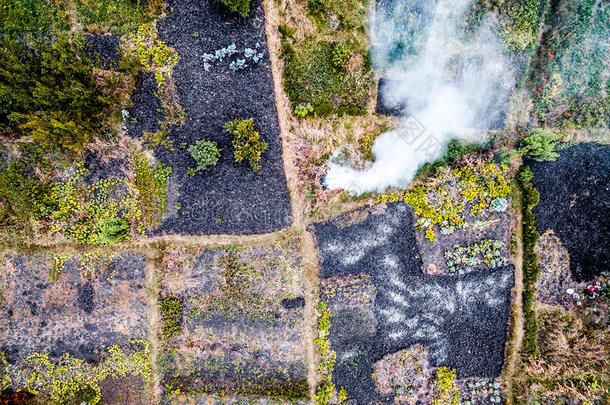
x,y
450,83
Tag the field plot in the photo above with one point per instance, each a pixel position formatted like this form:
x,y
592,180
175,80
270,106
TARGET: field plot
x,y
233,324
387,309
574,204
230,197
89,316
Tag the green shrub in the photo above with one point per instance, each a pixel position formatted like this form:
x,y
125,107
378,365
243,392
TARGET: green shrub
x,y
150,188
22,196
205,153
520,22
341,55
241,7
112,230
324,109
54,92
531,271
246,142
456,149
303,111
541,145
171,308
319,6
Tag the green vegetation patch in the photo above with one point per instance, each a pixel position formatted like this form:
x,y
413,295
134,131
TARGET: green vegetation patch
x,y
325,74
71,380
446,391
53,94
247,143
531,271
241,7
478,191
569,81
117,16
32,16
171,308
520,21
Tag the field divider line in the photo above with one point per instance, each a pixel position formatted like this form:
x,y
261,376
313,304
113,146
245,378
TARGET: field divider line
x,y
297,198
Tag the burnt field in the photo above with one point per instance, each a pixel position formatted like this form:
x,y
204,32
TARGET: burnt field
x,y
574,204
66,315
241,323
383,303
229,198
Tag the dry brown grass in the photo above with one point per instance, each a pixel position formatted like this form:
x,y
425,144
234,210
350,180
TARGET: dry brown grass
x,y
573,354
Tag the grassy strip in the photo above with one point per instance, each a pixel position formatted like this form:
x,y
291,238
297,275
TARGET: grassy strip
x,y
531,271
275,388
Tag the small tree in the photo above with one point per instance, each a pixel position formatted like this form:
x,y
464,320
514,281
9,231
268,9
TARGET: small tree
x,y
541,145
205,153
241,7
246,142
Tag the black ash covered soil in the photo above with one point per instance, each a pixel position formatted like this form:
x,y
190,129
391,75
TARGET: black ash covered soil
x,y
229,198
574,203
76,314
463,319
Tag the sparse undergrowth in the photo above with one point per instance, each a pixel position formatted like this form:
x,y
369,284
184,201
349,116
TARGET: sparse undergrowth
x,y
480,191
71,380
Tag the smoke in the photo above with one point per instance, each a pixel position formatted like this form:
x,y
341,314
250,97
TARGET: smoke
x,y
452,84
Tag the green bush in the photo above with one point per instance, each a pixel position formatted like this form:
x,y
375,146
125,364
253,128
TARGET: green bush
x,y
171,308
22,196
531,271
319,6
241,7
246,142
112,230
324,109
541,145
520,22
205,153
456,149
53,90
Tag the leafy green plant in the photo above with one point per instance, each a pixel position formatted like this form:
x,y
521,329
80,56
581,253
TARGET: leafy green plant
x,y
112,230
171,308
462,259
241,7
303,110
246,142
205,153
446,391
541,145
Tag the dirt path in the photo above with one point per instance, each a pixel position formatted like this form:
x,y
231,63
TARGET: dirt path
x,y
309,251
152,294
516,332
72,14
